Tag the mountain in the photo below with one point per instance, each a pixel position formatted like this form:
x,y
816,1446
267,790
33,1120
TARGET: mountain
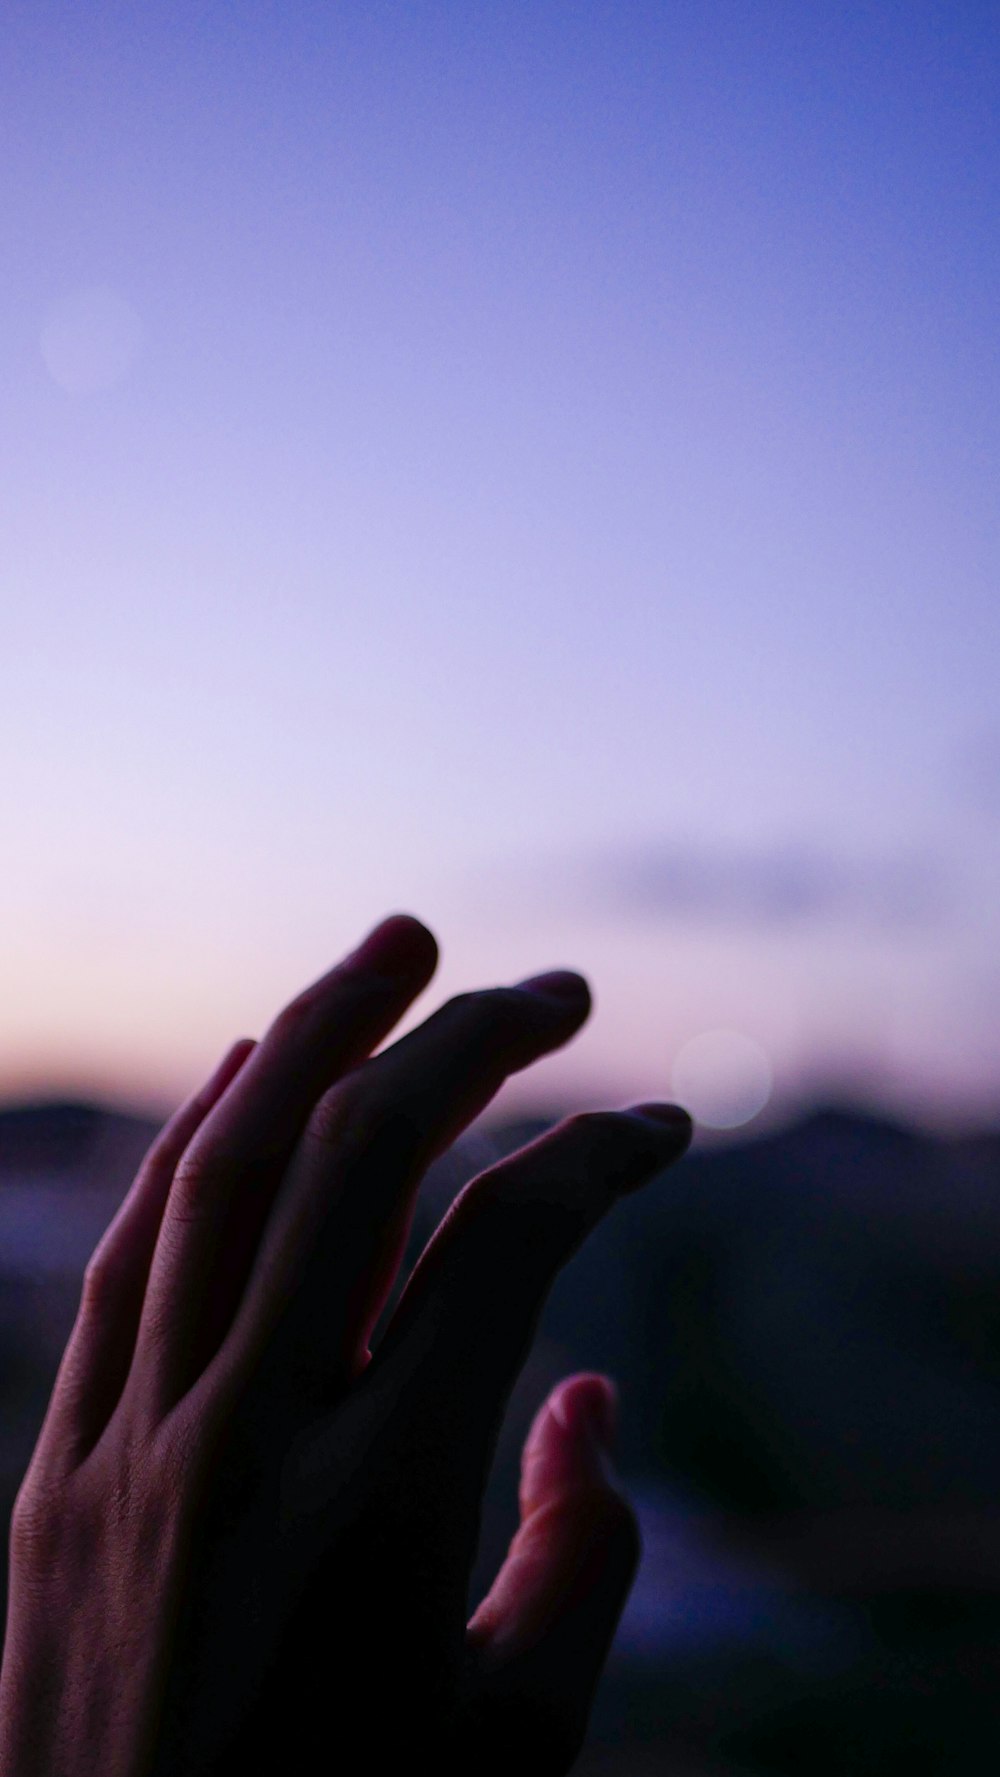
x,y
72,1141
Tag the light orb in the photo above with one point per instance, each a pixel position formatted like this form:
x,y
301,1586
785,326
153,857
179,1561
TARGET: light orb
x,y
723,1078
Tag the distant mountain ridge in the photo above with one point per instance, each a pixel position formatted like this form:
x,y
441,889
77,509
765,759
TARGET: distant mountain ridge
x,y
62,1135
68,1139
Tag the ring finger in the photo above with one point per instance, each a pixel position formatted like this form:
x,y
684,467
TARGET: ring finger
x,y
336,1237
225,1181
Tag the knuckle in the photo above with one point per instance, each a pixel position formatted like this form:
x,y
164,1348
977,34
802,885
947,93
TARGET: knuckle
x,y
100,1281
36,1527
26,1521
335,1116
356,1122
202,1171
185,1445
160,1154
290,1019
289,1025
459,1009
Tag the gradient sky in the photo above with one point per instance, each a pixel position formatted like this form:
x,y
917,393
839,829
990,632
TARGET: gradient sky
x,y
529,465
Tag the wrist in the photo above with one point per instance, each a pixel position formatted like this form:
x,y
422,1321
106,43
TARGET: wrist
x,y
68,1703
84,1670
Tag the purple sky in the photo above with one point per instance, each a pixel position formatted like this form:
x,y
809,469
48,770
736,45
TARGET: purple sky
x,y
530,466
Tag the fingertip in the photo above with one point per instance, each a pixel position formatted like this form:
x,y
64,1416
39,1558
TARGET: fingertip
x,y
208,1095
570,1447
562,1588
566,987
676,1123
413,924
403,940
587,1404
235,1061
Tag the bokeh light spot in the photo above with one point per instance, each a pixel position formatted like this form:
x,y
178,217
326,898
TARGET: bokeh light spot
x,y
90,340
723,1078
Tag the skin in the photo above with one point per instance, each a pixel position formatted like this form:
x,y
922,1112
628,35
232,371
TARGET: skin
x,y
244,1538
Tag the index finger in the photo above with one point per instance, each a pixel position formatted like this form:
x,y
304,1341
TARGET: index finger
x,y
464,1324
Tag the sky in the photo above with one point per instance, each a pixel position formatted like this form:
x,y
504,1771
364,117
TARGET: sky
x,y
527,465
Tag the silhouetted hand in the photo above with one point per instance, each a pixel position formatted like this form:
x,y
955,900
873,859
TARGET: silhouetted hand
x,y
244,1539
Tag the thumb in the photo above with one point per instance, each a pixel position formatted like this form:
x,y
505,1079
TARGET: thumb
x,y
541,1636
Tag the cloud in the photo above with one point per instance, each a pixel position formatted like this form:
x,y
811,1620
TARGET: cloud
x,y
760,888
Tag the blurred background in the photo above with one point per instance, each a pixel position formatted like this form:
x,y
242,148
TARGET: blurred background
x,y
534,466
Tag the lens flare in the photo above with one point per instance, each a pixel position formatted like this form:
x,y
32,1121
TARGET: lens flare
x,y
723,1078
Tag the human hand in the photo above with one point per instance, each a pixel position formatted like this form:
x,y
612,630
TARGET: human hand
x,y
218,1395
100,1527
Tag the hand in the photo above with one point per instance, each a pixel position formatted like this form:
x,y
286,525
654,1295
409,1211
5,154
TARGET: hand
x,y
271,1530
100,1527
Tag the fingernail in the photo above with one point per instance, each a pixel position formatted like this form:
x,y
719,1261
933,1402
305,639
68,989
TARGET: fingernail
x,y
591,1413
559,984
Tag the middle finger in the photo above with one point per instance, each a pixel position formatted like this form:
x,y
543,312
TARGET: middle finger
x,y
335,1241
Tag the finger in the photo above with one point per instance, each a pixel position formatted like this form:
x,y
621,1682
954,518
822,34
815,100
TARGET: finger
x,y
97,1356
224,1183
541,1636
493,1258
338,1231
464,1325
461,1332
567,1501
